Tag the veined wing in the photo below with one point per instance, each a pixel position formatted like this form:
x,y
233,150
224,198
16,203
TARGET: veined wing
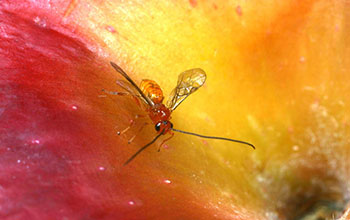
x,y
187,83
130,89
133,88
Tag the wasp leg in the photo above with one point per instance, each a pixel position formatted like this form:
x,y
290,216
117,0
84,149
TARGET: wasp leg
x,y
132,123
126,129
133,137
115,93
172,135
136,98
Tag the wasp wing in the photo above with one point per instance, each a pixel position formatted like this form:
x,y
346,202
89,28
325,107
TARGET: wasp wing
x,y
132,88
187,83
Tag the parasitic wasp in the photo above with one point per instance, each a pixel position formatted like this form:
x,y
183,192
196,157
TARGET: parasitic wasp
x,y
151,96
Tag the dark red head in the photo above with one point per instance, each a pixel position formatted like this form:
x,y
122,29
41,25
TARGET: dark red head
x,y
164,126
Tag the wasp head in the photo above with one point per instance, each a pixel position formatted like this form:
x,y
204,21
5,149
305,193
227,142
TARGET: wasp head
x,y
163,126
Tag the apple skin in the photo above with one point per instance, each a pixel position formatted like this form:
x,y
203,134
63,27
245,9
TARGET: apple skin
x,y
277,77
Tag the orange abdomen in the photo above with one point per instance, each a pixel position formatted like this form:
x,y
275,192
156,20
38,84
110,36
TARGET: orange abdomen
x,y
152,90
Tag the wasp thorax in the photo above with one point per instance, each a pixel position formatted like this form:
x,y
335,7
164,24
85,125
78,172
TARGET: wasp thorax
x,y
152,90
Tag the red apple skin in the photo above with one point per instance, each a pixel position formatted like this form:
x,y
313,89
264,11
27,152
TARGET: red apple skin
x,y
44,151
60,157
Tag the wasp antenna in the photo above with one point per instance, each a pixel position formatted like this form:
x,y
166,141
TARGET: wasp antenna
x,y
212,137
142,148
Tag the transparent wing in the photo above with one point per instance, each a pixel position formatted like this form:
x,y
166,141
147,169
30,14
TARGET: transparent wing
x,y
187,83
132,88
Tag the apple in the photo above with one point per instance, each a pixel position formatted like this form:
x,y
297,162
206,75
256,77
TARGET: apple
x,y
277,77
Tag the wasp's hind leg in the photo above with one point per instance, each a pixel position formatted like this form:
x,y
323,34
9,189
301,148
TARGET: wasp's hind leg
x,y
131,124
133,137
115,93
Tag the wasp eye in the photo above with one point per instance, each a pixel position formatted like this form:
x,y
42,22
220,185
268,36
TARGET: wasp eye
x,y
158,126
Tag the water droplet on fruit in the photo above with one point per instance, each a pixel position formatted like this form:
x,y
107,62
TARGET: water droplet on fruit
x,y
167,181
110,29
39,21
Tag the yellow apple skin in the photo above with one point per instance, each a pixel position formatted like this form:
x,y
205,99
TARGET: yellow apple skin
x,y
277,77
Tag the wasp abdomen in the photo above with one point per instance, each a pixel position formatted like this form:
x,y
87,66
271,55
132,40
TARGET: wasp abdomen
x,y
152,90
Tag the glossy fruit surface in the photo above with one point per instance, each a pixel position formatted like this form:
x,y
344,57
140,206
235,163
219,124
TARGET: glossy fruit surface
x,y
277,76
